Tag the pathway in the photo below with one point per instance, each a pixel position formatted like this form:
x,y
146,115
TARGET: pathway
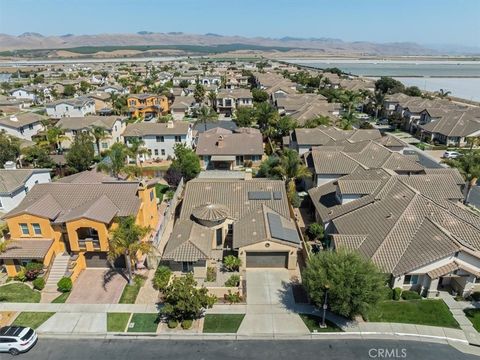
x,y
147,294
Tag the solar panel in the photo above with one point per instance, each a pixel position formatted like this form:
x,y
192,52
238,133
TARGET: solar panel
x,y
279,232
277,195
259,195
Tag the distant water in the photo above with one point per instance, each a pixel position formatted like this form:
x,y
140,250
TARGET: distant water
x,y
462,78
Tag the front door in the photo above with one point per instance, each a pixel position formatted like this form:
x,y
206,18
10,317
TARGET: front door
x,y
187,266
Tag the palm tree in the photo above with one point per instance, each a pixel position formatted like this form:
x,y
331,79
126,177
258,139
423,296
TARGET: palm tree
x,y
212,97
469,167
378,101
206,114
442,93
52,137
291,169
115,163
127,240
350,100
99,133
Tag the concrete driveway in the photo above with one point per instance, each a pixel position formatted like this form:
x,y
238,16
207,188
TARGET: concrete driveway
x,y
97,286
270,304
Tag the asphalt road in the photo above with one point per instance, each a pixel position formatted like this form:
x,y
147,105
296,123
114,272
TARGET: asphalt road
x,y
126,349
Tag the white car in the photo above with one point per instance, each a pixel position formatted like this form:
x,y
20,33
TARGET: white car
x,y
451,154
17,339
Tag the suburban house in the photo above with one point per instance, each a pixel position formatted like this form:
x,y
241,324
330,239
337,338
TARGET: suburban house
x,y
228,100
16,183
112,89
102,100
23,93
72,220
414,228
160,138
76,107
250,218
141,105
225,149
391,101
22,125
181,106
113,126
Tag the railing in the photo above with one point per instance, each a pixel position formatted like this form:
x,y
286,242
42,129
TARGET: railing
x,y
82,243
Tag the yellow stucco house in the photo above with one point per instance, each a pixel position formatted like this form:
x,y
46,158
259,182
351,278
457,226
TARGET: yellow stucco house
x,y
74,219
141,105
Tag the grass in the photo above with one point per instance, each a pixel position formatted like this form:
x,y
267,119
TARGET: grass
x,y
144,322
421,312
474,316
117,322
32,319
222,323
160,190
61,298
313,324
20,293
130,292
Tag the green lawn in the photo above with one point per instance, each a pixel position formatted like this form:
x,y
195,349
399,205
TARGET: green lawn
x,y
130,292
313,324
421,312
17,292
474,316
117,322
222,323
32,319
143,323
61,298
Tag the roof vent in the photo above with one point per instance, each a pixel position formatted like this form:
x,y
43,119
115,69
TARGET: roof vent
x,y
220,141
13,118
170,124
389,216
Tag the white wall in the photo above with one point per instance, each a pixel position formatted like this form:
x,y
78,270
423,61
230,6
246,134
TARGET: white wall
x,y
66,110
26,132
155,147
22,94
9,203
323,179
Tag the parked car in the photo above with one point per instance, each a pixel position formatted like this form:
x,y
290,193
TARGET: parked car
x,y
362,116
17,339
451,155
149,117
382,122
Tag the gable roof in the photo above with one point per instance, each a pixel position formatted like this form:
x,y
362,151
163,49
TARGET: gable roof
x,y
13,180
230,143
147,128
80,123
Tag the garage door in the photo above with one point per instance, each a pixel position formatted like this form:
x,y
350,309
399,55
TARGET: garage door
x,y
100,260
267,259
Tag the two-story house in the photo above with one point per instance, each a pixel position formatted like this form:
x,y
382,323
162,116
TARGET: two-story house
x,y
228,100
22,125
76,107
141,105
23,93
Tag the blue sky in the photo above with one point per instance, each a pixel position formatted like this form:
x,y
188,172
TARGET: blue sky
x,y
423,21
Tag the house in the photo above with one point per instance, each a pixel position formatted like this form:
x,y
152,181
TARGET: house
x,y
23,93
22,125
112,89
141,105
72,221
414,228
250,217
160,138
102,100
16,183
391,101
113,126
228,100
181,106
77,107
225,149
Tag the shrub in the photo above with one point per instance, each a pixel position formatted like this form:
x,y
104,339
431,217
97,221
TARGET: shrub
x,y
38,283
233,298
21,275
32,270
232,263
172,324
410,295
475,296
187,324
295,200
65,284
315,231
161,278
397,292
233,281
211,274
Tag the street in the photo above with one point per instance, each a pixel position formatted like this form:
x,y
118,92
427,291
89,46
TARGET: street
x,y
90,349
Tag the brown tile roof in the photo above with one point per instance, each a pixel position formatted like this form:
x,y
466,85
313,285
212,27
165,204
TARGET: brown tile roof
x,y
21,119
12,180
143,129
35,249
80,123
238,143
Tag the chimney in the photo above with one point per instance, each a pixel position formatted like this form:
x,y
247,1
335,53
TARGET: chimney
x,y
220,141
13,118
170,124
10,165
248,174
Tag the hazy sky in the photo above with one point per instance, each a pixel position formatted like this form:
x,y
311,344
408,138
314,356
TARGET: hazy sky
x,y
422,21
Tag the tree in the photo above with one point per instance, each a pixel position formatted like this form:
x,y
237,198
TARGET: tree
x,y
353,283
119,104
68,90
442,93
413,91
52,138
388,85
232,263
212,98
183,300
265,115
199,93
205,115
469,167
37,156
9,148
317,121
127,240
84,86
259,95
244,116
378,100
173,176
315,231
284,126
115,162
184,84
186,161
81,154
99,133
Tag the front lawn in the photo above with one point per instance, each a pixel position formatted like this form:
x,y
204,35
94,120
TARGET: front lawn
x,y
474,316
313,324
143,323
32,319
421,312
117,322
222,323
130,292
17,292
61,298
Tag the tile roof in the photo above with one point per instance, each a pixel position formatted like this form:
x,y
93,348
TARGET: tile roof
x,y
80,123
19,120
12,180
144,129
233,143
35,249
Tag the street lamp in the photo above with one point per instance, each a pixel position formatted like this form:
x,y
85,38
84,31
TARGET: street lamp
x,y
323,325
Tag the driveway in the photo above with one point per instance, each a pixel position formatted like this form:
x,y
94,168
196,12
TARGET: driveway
x,y
271,307
97,286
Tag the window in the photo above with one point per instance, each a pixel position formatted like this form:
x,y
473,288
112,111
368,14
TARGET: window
x,y
410,280
160,139
104,145
151,195
24,229
156,151
30,126
187,266
37,230
163,151
219,237
178,138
